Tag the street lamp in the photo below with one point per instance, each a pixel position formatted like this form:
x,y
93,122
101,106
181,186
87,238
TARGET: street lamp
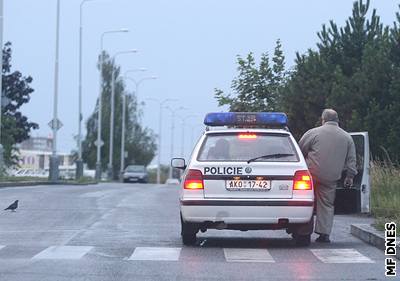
x,y
99,141
137,83
184,119
161,104
1,80
79,162
111,147
54,161
173,113
192,135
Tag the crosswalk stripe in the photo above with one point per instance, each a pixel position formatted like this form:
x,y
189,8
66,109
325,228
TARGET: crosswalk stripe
x,y
155,254
63,252
348,255
247,255
340,256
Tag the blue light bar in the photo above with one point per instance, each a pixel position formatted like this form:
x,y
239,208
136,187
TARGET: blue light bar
x,y
274,119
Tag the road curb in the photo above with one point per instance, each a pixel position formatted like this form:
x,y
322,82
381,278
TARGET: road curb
x,y
372,236
37,183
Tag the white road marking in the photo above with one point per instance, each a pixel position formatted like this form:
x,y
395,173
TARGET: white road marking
x,y
247,255
63,252
340,256
155,254
96,194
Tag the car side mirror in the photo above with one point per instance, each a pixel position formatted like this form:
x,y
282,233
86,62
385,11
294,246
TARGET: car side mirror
x,y
178,163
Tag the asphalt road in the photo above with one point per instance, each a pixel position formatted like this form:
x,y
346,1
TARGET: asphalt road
x,y
131,232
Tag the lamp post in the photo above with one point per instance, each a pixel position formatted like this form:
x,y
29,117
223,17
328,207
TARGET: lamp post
x,y
137,83
173,113
192,136
124,124
111,147
1,82
79,162
100,105
161,104
184,119
54,161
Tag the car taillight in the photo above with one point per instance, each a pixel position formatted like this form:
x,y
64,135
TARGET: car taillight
x,y
194,180
302,180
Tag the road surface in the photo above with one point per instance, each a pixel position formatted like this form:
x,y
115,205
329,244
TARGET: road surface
x,y
132,232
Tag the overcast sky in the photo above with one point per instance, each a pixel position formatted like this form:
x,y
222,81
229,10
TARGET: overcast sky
x,y
190,45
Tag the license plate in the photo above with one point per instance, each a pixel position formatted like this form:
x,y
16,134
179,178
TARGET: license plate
x,y
257,185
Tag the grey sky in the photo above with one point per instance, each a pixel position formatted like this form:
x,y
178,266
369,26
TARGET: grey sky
x,y
190,45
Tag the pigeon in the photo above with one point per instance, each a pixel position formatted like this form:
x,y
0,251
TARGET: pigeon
x,y
12,207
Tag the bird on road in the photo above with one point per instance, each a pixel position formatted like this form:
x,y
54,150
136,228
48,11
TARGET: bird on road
x,y
12,207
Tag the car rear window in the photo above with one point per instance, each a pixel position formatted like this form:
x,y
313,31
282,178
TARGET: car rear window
x,y
136,169
245,146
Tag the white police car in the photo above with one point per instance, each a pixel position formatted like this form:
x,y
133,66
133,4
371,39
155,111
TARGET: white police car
x,y
248,175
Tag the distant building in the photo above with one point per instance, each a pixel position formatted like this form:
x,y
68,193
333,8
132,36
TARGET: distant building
x,y
37,143
34,154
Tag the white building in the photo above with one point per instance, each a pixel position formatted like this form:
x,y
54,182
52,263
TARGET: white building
x,y
34,155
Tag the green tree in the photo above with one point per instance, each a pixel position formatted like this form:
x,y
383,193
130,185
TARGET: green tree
x,y
139,141
15,126
355,71
257,87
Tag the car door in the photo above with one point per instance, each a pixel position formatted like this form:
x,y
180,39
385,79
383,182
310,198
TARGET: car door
x,y
357,198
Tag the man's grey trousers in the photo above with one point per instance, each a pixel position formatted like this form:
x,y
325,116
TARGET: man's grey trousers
x,y
325,194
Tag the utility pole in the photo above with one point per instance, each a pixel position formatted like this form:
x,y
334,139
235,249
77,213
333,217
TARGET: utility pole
x,y
55,123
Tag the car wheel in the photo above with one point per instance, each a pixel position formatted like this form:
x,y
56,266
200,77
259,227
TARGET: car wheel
x,y
188,233
302,240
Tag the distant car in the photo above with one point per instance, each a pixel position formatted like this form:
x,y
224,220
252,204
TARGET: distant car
x,y
135,173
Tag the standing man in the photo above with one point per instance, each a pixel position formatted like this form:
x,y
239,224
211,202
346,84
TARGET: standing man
x,y
328,151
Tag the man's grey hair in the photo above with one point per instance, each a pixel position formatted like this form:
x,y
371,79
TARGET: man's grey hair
x,y
330,115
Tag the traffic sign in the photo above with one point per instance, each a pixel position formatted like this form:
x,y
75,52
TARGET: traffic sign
x,y
55,124
101,143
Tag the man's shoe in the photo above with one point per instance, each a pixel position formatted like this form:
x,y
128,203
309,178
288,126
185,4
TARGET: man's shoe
x,y
323,238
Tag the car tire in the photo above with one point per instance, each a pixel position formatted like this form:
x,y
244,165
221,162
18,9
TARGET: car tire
x,y
188,233
302,240
189,239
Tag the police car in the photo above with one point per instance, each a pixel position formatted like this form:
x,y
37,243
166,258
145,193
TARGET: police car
x,y
248,175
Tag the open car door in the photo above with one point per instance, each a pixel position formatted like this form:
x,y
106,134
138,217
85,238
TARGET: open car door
x,y
357,198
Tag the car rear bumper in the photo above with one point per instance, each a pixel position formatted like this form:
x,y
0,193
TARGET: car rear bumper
x,y
247,211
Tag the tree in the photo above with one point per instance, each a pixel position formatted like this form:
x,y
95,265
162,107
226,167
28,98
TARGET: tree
x,y
256,88
355,71
139,141
15,126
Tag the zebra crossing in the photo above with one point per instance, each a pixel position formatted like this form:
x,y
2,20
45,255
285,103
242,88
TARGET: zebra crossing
x,y
175,254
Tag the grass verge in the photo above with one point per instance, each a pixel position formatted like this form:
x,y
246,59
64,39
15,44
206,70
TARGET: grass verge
x,y
385,194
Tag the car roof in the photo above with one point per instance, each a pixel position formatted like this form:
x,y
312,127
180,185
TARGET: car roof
x,y
253,130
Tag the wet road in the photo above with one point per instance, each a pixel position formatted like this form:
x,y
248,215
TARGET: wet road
x,y
132,232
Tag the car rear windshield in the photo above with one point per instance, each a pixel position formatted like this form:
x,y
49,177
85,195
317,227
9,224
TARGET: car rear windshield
x,y
135,169
245,146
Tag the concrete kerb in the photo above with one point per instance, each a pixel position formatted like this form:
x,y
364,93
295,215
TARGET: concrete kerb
x,y
37,183
372,236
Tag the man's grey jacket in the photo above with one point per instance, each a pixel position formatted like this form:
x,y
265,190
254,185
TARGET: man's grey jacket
x,y
329,150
